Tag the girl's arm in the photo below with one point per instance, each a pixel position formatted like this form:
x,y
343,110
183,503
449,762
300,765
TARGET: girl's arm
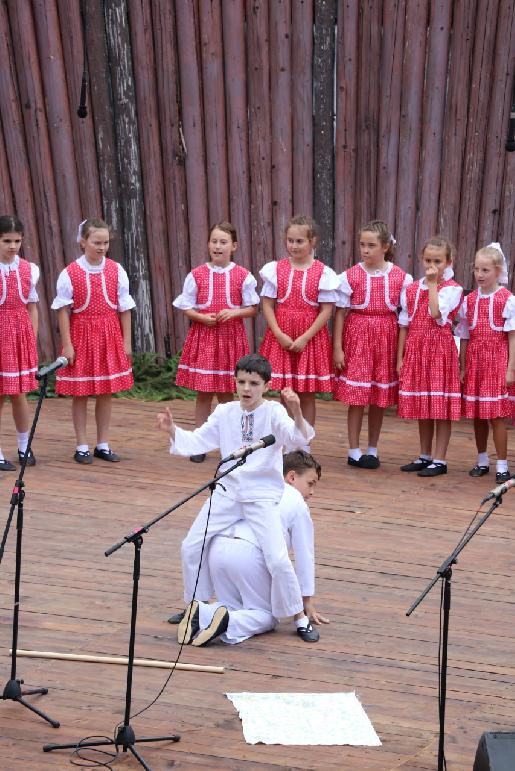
x,y
321,320
510,371
209,319
63,318
125,323
463,357
247,312
403,331
283,339
432,291
338,354
32,310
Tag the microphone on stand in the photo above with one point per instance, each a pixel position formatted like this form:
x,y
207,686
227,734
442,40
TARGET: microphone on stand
x,y
61,361
499,491
265,441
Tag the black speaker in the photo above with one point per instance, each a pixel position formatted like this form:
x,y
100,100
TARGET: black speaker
x,y
496,752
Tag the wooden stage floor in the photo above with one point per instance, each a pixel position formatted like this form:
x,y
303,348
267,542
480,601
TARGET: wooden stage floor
x,y
380,535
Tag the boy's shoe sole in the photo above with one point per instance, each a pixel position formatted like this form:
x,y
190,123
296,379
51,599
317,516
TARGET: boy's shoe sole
x,y
218,626
189,625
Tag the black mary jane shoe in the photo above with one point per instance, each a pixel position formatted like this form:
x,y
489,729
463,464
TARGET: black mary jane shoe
x,y
479,471
369,461
83,457
31,458
108,455
177,617
416,465
6,465
434,470
198,458
308,633
502,476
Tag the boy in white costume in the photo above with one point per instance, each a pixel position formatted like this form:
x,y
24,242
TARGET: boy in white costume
x,y
253,490
240,577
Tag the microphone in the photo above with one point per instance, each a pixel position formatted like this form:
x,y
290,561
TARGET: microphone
x,y
498,491
265,441
61,361
82,110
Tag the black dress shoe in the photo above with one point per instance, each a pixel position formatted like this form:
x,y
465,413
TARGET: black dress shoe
x,y
434,470
189,626
218,626
308,633
6,465
416,465
357,463
479,471
31,458
177,617
502,476
369,461
108,455
83,457
198,458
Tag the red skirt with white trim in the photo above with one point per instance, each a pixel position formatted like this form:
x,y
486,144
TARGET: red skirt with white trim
x,y
485,393
18,352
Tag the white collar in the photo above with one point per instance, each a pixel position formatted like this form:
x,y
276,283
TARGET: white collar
x,y
13,265
219,269
88,267
487,294
378,272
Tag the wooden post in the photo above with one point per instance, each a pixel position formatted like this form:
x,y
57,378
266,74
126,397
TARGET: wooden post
x,y
323,151
6,199
346,133
129,170
302,105
507,214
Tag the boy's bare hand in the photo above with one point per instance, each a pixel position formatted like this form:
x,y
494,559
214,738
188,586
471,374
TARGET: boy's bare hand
x,y
165,421
290,398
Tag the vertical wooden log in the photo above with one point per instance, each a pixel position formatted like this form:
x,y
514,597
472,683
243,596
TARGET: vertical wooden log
x,y
280,97
165,41
302,105
82,128
212,57
410,130
506,235
103,121
346,132
392,51
477,124
434,107
368,110
193,127
497,125
233,17
260,133
129,170
462,41
58,115
39,155
152,172
6,198
323,151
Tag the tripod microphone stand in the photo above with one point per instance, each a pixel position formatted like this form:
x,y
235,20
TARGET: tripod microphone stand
x,y
125,736
13,690
444,573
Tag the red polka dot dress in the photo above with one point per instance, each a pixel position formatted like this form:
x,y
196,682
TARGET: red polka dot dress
x,y
370,335
485,321
298,294
96,295
18,350
429,381
210,353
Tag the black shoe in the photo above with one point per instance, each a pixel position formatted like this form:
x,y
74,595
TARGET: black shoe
x,y
416,465
177,617
109,455
6,465
308,633
434,470
369,461
189,625
218,626
198,458
357,463
31,458
479,471
502,476
83,457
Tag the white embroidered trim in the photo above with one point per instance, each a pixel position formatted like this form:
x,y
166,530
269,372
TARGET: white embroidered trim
x,y
499,398
490,297
303,290
366,385
17,374
429,393
88,295
283,375
206,371
18,278
3,298
114,306
288,289
96,377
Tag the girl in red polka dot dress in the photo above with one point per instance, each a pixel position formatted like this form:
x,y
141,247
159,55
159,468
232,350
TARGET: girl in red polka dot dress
x,y
365,338
298,295
427,357
94,312
18,332
487,358
216,297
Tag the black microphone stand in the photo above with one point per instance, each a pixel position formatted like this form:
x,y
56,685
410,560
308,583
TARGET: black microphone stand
x,y
125,736
444,573
13,690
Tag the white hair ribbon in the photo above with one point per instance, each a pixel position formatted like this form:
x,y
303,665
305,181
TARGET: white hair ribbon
x,y
503,275
393,240
79,233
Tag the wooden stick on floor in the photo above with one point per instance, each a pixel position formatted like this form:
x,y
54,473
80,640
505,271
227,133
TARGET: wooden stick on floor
x,y
118,660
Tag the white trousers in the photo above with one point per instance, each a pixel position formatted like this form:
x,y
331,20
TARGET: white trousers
x,y
264,518
242,583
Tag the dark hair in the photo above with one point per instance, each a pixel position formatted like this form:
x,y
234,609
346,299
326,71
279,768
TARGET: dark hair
x,y
383,233
440,242
226,227
301,220
300,461
254,362
93,223
9,224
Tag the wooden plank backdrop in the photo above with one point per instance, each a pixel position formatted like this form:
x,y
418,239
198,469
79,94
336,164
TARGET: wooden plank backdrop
x,y
252,110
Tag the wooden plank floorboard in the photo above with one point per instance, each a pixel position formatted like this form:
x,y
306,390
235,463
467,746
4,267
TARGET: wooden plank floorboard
x,y
380,537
